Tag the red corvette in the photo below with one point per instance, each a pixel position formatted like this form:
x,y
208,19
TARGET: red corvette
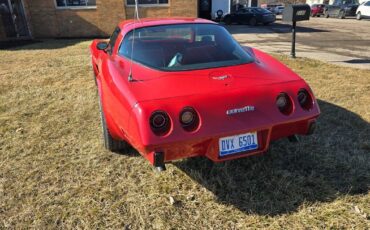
x,y
178,88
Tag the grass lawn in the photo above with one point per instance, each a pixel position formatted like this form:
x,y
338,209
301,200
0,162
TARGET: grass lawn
x,y
55,173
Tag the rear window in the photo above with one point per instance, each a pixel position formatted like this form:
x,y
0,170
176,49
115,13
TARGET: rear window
x,y
183,47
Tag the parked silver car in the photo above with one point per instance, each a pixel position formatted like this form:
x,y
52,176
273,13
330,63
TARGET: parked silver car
x,y
279,10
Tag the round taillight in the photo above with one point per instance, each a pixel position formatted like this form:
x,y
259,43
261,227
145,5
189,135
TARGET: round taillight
x,y
189,119
304,99
284,104
160,123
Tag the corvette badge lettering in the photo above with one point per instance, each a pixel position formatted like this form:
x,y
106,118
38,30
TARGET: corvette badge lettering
x,y
240,110
220,77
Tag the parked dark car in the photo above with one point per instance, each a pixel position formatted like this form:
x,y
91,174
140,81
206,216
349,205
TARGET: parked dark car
x,y
317,10
341,8
251,16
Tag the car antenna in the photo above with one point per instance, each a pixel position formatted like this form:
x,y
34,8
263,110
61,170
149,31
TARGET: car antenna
x,y
136,17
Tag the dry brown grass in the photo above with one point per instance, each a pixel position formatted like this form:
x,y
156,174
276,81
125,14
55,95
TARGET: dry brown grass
x,y
54,172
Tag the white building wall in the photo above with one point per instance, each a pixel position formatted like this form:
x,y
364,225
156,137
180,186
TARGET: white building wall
x,y
224,5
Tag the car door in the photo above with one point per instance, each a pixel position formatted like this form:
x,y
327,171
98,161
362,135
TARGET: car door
x,y
113,103
366,8
248,15
240,16
258,15
334,9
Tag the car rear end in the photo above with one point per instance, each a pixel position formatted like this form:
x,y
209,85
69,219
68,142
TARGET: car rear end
x,y
317,10
228,125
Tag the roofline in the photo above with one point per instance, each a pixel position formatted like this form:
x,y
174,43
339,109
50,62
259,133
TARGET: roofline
x,y
128,25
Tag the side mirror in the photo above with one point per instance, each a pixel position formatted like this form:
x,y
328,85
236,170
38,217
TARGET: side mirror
x,y
102,46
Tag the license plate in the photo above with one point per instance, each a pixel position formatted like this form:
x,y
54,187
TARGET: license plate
x,y
238,143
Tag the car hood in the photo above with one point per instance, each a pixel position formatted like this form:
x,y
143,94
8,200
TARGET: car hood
x,y
151,84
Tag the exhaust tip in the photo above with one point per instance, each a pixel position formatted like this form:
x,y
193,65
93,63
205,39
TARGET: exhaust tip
x,y
159,161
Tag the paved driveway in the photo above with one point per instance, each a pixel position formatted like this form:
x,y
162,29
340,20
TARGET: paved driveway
x,y
338,41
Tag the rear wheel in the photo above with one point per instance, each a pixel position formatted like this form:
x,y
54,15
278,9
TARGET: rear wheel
x,y
253,21
110,143
358,16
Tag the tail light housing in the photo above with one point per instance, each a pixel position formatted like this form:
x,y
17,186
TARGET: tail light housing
x,y
189,119
284,104
160,123
305,99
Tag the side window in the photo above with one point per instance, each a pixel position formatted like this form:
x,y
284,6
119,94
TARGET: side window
x,y
367,4
113,39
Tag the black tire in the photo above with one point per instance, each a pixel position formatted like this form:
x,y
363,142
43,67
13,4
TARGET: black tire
x,y
358,16
110,143
227,20
252,21
341,15
326,14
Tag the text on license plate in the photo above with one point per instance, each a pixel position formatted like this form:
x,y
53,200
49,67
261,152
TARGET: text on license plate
x,y
238,143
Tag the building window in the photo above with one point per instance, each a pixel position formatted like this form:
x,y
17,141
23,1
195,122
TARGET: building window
x,y
147,2
76,3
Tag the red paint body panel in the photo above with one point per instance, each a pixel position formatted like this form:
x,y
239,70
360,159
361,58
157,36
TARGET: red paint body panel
x,y
317,10
129,105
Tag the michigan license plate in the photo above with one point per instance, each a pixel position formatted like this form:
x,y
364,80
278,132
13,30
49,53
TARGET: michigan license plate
x,y
238,143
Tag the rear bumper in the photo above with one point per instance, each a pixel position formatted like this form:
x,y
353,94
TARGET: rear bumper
x,y
209,147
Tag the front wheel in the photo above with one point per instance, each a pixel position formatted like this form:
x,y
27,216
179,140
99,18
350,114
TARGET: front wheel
x,y
253,21
358,16
110,143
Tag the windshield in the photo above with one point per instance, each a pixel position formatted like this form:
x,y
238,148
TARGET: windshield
x,y
262,11
183,47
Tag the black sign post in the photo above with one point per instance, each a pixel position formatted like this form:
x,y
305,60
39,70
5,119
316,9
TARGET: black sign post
x,y
292,52
295,13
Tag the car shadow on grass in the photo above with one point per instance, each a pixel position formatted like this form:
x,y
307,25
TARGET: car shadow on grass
x,y
331,163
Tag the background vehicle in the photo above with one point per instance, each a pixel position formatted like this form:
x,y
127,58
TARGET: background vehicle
x,y
251,16
279,10
363,11
317,10
270,7
341,8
